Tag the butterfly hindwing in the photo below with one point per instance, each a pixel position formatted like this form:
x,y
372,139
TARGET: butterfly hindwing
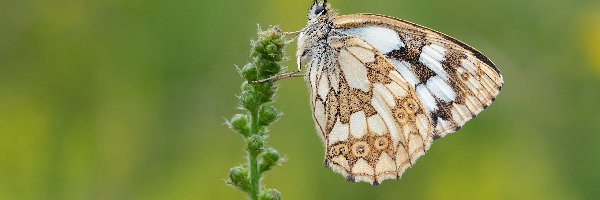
x,y
453,81
370,119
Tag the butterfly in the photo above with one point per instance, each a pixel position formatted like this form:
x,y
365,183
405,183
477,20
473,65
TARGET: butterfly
x,y
382,89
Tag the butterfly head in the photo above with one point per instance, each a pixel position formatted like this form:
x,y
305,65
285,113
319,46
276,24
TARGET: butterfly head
x,y
319,10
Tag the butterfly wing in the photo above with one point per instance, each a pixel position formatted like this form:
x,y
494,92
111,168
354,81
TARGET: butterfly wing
x,y
388,88
454,81
370,118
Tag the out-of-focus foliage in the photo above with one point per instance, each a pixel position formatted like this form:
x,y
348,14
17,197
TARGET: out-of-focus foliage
x,y
590,34
125,99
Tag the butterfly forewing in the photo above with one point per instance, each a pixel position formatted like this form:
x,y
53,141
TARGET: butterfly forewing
x,y
454,81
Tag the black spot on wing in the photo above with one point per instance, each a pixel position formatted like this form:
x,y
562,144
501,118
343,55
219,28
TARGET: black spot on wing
x,y
443,111
350,178
403,54
457,128
451,62
398,54
375,182
423,72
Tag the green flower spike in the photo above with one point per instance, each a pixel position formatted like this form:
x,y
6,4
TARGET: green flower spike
x,y
256,100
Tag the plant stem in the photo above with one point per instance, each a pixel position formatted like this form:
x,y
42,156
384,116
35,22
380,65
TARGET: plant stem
x,y
253,160
254,177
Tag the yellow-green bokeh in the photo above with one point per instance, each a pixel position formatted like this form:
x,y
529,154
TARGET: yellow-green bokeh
x,y
126,99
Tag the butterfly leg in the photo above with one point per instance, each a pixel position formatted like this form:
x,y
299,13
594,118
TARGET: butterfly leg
x,y
295,32
295,35
280,76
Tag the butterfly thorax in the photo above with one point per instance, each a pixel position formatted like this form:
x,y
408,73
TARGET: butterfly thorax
x,y
312,40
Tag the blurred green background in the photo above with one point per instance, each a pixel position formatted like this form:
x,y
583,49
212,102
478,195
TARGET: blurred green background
x,y
126,99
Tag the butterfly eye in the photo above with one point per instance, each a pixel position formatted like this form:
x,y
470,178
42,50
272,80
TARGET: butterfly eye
x,y
319,9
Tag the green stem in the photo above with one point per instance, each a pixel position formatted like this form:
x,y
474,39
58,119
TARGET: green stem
x,y
253,160
254,178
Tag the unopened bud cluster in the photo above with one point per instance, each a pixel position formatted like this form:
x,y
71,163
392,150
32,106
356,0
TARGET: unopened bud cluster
x,y
256,98
268,158
238,176
270,194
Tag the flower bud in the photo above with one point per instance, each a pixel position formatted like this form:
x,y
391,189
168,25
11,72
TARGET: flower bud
x,y
238,176
259,48
268,114
249,72
249,100
270,194
274,51
269,158
239,123
272,48
256,144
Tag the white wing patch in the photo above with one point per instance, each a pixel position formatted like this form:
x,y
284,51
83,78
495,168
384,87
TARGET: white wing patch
x,y
339,132
334,79
323,88
385,168
404,69
358,124
397,90
427,99
385,94
354,71
441,89
362,167
364,55
319,114
433,64
386,114
383,39
435,51
423,125
376,125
